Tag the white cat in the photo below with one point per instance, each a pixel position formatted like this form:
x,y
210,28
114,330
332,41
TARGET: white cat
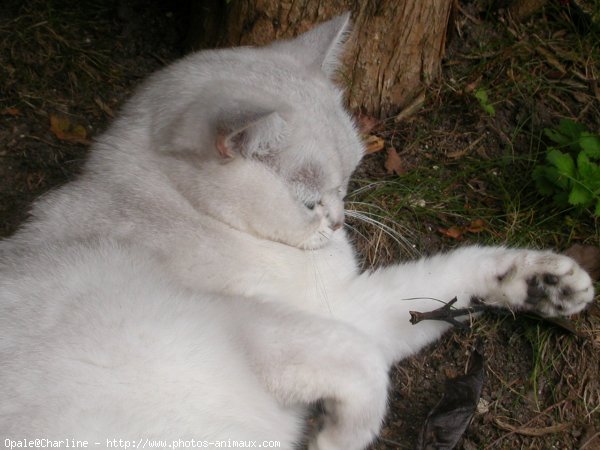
x,y
195,282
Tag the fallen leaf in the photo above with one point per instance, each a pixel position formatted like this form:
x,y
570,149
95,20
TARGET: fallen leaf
x,y
393,162
472,85
476,226
562,323
456,232
452,232
373,144
10,112
588,257
64,130
448,420
365,123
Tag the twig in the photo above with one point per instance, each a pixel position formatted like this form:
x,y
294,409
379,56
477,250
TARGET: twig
x,y
446,314
537,416
534,432
390,441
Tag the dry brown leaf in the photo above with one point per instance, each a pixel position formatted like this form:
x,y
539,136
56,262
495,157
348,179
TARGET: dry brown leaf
x,y
10,112
472,85
564,324
456,232
366,123
64,130
373,144
393,162
588,257
452,232
448,420
476,226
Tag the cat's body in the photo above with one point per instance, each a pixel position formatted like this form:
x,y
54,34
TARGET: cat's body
x,y
194,283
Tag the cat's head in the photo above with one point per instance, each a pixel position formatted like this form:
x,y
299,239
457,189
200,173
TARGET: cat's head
x,y
264,133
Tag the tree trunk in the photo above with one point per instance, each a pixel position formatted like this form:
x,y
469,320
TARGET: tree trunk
x,y
395,49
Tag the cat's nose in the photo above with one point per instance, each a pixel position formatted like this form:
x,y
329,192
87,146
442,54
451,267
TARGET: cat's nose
x,y
337,225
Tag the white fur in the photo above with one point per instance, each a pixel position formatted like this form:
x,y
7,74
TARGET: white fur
x,y
192,283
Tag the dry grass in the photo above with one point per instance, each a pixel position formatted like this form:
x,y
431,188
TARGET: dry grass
x,y
465,165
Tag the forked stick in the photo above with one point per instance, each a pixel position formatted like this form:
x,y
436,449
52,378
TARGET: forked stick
x,y
447,314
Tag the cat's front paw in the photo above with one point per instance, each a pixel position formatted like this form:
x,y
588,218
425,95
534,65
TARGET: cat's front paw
x,y
540,281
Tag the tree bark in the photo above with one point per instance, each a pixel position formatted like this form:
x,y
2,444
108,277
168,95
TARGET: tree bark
x,y
394,51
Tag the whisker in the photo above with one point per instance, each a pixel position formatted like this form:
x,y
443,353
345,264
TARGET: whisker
x,y
355,230
322,233
402,241
370,186
379,216
320,285
368,205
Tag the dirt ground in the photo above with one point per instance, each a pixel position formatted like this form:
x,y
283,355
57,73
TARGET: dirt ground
x,y
66,66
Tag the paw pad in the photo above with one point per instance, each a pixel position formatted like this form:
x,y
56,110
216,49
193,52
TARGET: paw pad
x,y
545,282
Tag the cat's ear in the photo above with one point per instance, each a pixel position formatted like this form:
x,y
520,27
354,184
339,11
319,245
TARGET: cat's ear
x,y
321,47
251,134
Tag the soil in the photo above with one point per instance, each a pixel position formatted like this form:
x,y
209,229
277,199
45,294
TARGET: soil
x,y
78,61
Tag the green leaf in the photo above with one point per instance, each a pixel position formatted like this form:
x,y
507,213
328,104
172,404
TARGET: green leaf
x,y
570,129
572,176
482,96
589,172
562,161
543,180
580,196
556,137
566,134
590,143
561,199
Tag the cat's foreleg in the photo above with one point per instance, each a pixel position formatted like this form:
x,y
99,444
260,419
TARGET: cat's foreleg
x,y
378,303
302,358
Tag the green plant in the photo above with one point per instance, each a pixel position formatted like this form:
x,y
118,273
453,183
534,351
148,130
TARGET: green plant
x,y
482,96
572,175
